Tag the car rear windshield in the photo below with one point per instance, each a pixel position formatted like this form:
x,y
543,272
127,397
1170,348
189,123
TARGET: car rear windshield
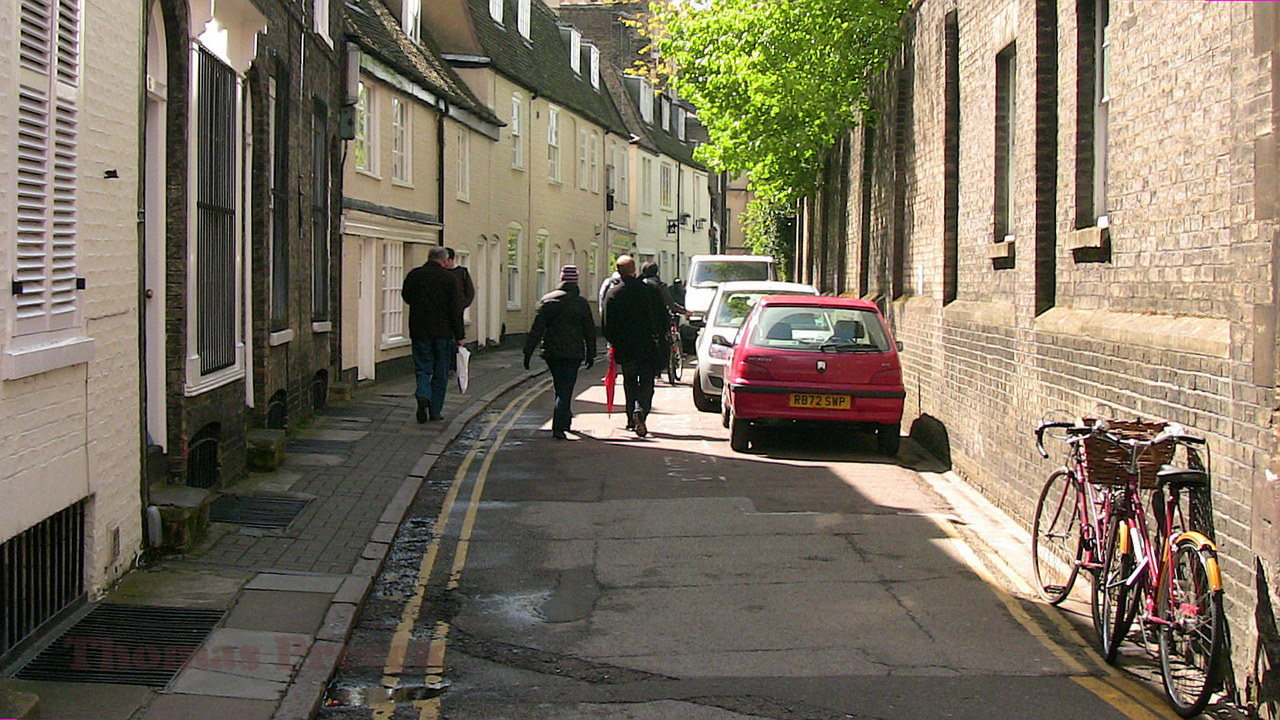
x,y
711,272
820,329
735,306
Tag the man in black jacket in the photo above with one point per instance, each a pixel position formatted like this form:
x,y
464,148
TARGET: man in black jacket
x,y
436,300
634,320
567,332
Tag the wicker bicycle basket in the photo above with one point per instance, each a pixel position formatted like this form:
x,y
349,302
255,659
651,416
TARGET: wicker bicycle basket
x,y
1106,463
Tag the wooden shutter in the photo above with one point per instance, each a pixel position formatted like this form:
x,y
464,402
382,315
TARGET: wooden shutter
x,y
48,80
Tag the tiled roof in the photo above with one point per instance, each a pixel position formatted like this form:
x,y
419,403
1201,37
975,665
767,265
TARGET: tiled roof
x,y
372,26
542,64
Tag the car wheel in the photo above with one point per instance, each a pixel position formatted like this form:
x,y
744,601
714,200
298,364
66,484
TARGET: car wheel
x,y
888,439
701,400
739,435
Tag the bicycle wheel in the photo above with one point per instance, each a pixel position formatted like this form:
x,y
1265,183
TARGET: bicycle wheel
x,y
676,363
1109,602
1055,537
1191,629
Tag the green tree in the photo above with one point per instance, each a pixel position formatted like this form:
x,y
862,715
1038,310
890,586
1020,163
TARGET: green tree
x,y
775,81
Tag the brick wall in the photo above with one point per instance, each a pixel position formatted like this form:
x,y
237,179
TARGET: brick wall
x,y
1157,316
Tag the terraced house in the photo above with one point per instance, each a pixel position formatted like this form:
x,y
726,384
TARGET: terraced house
x,y
1063,206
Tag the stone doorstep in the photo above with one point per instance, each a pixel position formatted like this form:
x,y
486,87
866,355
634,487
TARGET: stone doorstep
x,y
18,704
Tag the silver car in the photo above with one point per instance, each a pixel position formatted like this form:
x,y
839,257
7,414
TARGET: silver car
x,y
729,307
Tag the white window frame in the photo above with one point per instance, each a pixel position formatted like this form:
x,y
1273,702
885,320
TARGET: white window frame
x,y
517,131
495,10
523,12
463,257
367,128
45,326
583,159
515,241
666,186
593,162
664,108
595,67
401,141
553,143
575,51
320,19
622,171
412,19
593,271
464,165
392,318
540,261
646,101
646,185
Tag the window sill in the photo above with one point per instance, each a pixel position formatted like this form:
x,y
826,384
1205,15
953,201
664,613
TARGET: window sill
x,y
214,380
280,337
25,362
1001,250
322,326
368,173
406,184
511,306
393,343
1089,238
464,199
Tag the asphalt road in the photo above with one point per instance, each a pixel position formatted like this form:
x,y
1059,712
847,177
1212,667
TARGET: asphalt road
x,y
611,577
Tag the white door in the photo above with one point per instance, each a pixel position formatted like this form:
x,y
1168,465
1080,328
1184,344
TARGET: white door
x,y
497,260
368,315
153,310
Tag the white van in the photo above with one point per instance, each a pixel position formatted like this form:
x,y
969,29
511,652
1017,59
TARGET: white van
x,y
708,271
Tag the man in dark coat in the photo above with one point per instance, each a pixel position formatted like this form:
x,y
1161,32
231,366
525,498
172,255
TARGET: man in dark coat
x,y
468,287
635,320
567,333
435,298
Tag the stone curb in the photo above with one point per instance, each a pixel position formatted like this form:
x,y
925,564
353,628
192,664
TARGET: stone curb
x,y
308,686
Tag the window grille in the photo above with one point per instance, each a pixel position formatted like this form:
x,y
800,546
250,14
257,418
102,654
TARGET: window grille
x,y
392,281
41,574
202,457
215,213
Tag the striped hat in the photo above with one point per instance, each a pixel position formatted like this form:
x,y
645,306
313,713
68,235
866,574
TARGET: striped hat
x,y
569,274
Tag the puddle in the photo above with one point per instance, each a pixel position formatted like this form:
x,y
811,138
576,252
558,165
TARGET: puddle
x,y
370,696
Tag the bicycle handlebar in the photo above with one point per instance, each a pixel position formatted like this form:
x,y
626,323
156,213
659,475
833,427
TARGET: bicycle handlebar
x,y
1071,427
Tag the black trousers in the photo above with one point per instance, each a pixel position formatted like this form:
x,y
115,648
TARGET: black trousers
x,y
637,387
564,375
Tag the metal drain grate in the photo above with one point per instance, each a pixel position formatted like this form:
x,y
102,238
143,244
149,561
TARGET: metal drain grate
x,y
256,511
124,644
323,447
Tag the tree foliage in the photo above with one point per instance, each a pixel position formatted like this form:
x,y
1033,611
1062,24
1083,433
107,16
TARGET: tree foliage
x,y
775,81
768,228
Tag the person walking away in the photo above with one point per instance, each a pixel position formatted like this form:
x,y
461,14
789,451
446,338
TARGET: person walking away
x,y
468,287
435,298
649,273
634,321
567,332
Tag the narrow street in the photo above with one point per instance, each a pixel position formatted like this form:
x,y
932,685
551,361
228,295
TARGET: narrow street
x,y
667,577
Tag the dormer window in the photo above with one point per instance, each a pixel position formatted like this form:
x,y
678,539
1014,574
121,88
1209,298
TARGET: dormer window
x,y
575,50
523,12
413,19
680,120
495,10
595,66
666,113
646,101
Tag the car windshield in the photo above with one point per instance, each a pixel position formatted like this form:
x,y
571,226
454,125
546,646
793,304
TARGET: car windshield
x,y
820,329
712,272
735,306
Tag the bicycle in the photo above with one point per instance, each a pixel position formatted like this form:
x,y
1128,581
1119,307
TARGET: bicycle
x,y
1173,587
675,354
1070,518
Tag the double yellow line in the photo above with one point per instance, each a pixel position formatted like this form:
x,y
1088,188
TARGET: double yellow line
x,y
398,649
1129,697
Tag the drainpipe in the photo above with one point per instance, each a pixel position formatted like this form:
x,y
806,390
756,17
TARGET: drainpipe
x,y
444,113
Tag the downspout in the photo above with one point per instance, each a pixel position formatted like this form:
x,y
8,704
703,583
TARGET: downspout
x,y
679,203
440,194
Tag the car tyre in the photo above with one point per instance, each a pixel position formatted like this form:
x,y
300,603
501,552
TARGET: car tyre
x,y
701,399
724,411
739,435
889,439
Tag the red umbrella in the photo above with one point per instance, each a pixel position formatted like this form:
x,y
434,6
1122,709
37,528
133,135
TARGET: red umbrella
x,y
610,380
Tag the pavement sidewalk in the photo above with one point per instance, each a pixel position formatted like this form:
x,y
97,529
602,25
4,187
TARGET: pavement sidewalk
x,y
291,596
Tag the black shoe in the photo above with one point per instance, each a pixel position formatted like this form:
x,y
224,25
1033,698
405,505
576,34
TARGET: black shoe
x,y
640,428
437,418
423,409
559,435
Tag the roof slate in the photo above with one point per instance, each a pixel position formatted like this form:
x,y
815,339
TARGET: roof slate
x,y
372,26
541,64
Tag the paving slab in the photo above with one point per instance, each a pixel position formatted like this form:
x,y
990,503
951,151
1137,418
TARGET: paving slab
x,y
181,586
296,582
279,610
334,435
193,681
100,701
202,707
256,646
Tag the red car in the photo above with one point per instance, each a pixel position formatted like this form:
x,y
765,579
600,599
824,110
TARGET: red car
x,y
814,358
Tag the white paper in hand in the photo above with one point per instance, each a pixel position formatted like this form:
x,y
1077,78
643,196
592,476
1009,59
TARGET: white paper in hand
x,y
464,363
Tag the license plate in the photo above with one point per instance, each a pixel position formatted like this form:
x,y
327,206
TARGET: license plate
x,y
821,400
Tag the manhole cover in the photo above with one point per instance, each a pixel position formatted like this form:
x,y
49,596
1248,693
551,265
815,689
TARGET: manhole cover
x,y
256,511
124,644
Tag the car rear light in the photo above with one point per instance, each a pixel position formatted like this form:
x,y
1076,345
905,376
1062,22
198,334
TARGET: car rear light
x,y
890,376
720,352
752,368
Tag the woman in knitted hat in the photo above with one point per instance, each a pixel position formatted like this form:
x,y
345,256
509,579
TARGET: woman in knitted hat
x,y
567,332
